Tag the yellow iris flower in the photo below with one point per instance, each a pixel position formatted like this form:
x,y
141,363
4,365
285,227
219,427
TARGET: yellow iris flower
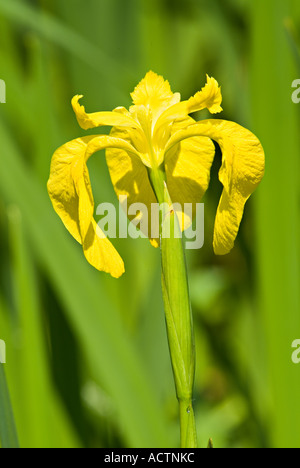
x,y
156,132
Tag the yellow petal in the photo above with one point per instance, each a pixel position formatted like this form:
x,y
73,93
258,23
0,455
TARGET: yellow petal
x,y
100,252
153,91
187,168
71,194
129,177
61,187
209,97
242,169
99,119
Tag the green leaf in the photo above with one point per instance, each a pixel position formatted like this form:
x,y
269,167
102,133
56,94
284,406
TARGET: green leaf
x,y
60,34
113,358
277,248
8,432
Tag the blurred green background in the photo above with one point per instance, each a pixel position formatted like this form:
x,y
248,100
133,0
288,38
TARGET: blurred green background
x,y
87,355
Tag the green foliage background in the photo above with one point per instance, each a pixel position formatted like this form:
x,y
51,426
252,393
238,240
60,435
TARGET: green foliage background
x,y
87,356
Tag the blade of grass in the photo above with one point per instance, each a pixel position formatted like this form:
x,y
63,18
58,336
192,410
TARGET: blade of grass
x,y
293,39
34,393
275,121
8,432
41,103
60,34
111,26
112,356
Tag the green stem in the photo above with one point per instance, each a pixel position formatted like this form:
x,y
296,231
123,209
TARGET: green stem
x,y
177,309
188,436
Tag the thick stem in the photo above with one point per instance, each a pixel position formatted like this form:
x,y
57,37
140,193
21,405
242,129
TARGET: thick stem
x,y
177,309
188,436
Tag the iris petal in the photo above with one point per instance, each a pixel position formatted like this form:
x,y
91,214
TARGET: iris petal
x,y
129,177
100,119
71,195
153,91
242,169
187,168
209,97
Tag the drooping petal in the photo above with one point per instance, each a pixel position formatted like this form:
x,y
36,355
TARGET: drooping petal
x,y
209,97
61,187
242,169
129,177
187,167
98,250
100,119
71,195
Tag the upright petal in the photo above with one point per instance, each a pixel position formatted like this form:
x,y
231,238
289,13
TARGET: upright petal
x,y
153,91
242,169
209,97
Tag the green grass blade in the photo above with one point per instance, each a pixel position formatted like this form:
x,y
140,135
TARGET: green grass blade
x,y
111,354
293,39
275,121
34,394
61,35
8,432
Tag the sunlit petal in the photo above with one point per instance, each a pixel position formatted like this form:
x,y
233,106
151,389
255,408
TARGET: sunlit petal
x,y
153,91
242,169
61,186
187,167
209,97
129,177
100,119
71,194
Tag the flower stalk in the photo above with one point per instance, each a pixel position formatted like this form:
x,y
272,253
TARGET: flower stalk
x,y
178,312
